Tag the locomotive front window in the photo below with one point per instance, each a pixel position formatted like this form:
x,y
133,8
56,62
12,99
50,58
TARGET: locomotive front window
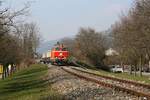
x,y
64,49
57,48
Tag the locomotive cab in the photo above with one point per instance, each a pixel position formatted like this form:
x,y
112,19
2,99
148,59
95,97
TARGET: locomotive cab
x,y
59,55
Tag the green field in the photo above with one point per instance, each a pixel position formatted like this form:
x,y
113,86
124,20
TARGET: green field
x,y
27,84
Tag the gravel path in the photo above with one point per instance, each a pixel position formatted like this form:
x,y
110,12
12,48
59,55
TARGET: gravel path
x,y
74,88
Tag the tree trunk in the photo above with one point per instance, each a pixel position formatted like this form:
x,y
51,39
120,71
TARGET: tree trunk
x,y
140,66
3,74
12,69
131,70
149,66
135,70
7,71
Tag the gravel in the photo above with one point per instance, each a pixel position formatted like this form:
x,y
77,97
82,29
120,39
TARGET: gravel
x,y
74,88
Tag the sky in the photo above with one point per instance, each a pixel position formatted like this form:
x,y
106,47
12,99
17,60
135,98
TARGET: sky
x,y
63,18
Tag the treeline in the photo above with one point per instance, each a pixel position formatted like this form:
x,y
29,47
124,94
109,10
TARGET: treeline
x,y
18,38
130,37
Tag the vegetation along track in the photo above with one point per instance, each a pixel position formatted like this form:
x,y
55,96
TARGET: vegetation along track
x,y
114,83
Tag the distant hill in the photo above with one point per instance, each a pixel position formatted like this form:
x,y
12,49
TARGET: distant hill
x,y
45,46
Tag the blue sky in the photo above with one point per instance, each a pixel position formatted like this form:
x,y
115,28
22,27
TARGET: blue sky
x,y
63,18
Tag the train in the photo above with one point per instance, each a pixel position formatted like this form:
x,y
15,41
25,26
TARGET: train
x,y
58,55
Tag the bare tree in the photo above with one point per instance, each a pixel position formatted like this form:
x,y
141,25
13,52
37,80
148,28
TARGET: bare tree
x,y
30,39
91,45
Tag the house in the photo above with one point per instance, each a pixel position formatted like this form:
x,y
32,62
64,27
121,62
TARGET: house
x,y
111,52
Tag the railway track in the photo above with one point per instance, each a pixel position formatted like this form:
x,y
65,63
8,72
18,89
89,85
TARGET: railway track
x,y
137,89
117,79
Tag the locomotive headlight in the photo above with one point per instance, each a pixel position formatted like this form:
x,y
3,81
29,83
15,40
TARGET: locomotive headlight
x,y
60,54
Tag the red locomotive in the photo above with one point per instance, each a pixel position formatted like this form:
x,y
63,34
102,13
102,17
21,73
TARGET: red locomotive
x,y
59,54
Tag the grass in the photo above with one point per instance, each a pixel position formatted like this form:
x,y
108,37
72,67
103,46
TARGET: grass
x,y
126,76
27,84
